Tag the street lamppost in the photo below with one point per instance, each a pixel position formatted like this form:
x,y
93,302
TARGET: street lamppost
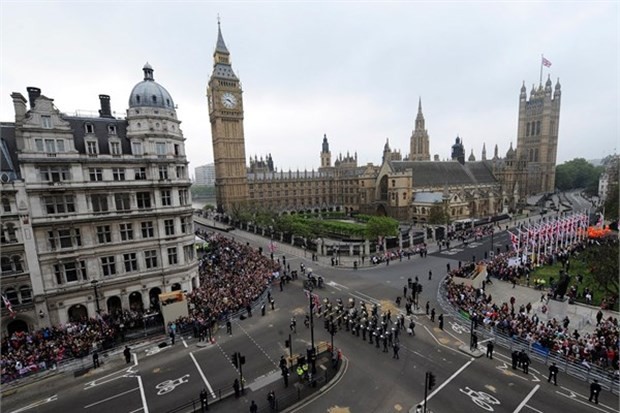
x,y
95,284
313,349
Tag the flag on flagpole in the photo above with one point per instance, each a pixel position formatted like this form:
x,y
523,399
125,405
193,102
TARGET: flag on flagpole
x,y
546,62
8,306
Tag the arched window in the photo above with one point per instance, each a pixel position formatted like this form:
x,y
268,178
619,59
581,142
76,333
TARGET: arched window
x,y
17,263
5,265
527,129
11,295
26,294
154,99
11,232
537,127
6,204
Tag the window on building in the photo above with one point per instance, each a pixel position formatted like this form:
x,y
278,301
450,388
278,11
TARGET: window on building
x,y
91,148
537,127
180,172
173,259
166,197
46,122
95,174
188,253
6,204
122,201
169,227
70,272
64,238
160,149
147,229
104,234
112,129
115,148
177,150
59,204
25,293
136,149
143,200
150,259
118,174
183,197
163,172
108,266
126,231
38,144
54,173
99,203
131,262
185,224
11,295
140,173
527,129
393,182
89,128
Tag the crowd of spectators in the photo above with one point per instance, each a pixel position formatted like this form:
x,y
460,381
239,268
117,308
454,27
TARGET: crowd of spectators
x,y
232,276
599,347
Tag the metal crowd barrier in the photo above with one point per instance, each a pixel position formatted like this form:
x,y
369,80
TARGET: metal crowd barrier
x,y
607,378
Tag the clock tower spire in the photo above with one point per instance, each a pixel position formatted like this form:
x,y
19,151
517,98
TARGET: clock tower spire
x,y
224,96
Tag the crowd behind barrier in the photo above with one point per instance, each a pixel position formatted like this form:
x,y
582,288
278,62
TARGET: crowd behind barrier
x,y
516,324
24,353
232,277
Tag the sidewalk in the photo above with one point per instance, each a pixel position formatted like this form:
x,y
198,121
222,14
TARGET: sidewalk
x,y
298,391
582,317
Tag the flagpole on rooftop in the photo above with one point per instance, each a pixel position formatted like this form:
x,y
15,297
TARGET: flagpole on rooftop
x,y
542,58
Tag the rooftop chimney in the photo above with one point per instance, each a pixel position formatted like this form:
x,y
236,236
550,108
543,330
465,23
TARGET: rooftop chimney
x,y
105,111
33,94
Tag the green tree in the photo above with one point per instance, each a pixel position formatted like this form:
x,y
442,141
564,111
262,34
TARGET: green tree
x,y
437,214
381,227
576,174
603,262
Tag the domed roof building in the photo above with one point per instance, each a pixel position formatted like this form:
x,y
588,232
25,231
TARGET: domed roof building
x,y
149,92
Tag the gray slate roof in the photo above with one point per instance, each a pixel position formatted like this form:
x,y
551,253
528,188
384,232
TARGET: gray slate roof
x,y
434,173
101,133
8,152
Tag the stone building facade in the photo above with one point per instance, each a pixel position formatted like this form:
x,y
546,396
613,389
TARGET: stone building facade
x,y
400,187
96,210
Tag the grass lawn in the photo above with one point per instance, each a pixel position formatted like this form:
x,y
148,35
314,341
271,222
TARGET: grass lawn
x,y
576,267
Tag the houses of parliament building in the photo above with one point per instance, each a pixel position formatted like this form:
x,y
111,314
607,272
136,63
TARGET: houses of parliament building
x,y
404,188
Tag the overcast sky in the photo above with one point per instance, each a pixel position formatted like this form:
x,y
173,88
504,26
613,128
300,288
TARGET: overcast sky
x,y
353,71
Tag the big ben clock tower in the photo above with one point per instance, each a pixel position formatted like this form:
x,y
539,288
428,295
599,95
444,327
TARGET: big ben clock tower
x,y
226,115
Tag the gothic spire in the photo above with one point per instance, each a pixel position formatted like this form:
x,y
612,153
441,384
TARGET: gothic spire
x,y
220,46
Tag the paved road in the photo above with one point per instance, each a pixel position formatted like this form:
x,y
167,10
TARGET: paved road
x,y
158,381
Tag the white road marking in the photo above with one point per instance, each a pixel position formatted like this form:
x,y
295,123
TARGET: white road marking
x,y
111,398
531,408
527,398
37,404
142,395
445,383
140,408
443,345
184,342
103,380
573,395
203,376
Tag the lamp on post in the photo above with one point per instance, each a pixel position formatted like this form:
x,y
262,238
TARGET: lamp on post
x,y
95,284
311,306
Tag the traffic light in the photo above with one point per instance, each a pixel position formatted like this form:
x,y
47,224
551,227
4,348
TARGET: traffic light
x,y
432,380
235,361
241,359
287,343
326,324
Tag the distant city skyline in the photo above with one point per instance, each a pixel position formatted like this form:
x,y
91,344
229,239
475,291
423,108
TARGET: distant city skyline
x,y
307,70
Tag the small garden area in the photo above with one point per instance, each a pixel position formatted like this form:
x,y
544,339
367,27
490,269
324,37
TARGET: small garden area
x,y
598,265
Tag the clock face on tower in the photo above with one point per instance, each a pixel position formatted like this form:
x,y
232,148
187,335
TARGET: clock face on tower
x,y
229,100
